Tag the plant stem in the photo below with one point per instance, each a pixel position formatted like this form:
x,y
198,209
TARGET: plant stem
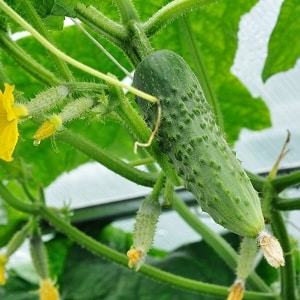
x,y
287,203
142,161
26,61
8,10
107,159
51,215
85,87
40,27
171,11
95,19
288,288
127,11
220,246
258,182
158,186
200,69
282,182
16,203
164,277
137,126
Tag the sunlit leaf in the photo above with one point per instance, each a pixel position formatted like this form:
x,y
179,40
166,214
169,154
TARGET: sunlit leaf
x,y
284,44
216,28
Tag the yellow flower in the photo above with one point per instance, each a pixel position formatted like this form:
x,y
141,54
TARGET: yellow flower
x,y
47,290
3,261
9,116
48,128
136,258
236,290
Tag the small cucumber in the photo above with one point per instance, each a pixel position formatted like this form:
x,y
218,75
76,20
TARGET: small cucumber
x,y
194,144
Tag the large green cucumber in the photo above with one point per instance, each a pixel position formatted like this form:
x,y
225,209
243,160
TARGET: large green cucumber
x,y
195,145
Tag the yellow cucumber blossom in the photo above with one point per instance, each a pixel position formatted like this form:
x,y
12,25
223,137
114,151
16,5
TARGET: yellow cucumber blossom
x,y
47,290
136,258
3,261
237,290
10,113
71,111
48,128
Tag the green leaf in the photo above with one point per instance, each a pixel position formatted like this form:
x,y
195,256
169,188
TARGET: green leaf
x,y
216,28
57,250
284,44
17,288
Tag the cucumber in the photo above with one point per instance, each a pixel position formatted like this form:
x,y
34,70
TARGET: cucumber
x,y
195,145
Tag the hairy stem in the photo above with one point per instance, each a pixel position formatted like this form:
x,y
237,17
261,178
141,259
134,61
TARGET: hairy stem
x,y
287,203
51,215
9,11
105,158
127,11
27,62
164,277
171,11
220,246
40,27
96,20
137,126
16,203
288,288
282,182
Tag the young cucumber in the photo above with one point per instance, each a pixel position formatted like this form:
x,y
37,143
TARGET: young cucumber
x,y
194,144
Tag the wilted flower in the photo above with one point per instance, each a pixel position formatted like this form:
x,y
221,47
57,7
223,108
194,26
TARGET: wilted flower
x,y
271,249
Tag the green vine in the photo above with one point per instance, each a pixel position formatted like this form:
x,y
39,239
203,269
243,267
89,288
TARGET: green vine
x,y
73,98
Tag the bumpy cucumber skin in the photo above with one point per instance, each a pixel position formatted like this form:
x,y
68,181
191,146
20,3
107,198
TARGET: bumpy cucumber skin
x,y
194,144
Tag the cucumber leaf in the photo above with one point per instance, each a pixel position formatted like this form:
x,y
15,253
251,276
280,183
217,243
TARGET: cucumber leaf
x,y
284,44
17,288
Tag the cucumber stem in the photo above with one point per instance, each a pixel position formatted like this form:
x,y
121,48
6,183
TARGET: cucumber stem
x,y
105,158
40,27
220,246
27,62
171,11
288,275
99,22
16,17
